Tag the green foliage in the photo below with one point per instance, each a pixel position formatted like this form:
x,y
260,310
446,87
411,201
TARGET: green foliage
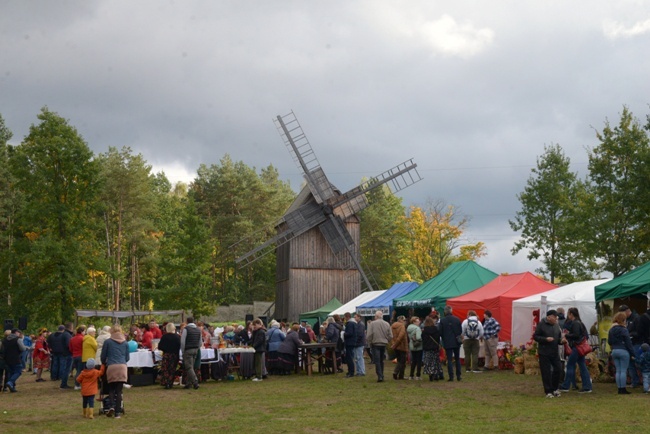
x,y
384,243
551,218
55,172
618,169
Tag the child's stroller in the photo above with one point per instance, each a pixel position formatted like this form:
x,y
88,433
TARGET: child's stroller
x,y
105,403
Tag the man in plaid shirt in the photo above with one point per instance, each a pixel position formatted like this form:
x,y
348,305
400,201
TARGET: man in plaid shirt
x,y
491,328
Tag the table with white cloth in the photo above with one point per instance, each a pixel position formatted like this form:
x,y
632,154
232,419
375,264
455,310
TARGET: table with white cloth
x,y
140,368
140,359
240,360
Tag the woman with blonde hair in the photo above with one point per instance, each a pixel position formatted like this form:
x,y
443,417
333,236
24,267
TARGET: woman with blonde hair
x,y
89,346
622,350
170,345
115,355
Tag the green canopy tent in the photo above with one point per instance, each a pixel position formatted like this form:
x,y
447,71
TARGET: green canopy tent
x,y
457,279
633,283
319,315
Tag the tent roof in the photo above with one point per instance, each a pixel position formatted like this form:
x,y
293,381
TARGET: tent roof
x,y
497,296
322,312
567,294
351,306
125,313
457,279
633,282
385,301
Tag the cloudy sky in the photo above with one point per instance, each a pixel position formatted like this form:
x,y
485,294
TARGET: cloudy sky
x,y
473,91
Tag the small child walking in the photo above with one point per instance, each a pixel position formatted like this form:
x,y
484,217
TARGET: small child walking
x,y
88,380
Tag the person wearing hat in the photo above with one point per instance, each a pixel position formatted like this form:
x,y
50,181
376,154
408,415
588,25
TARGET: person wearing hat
x,y
12,347
88,381
41,354
548,337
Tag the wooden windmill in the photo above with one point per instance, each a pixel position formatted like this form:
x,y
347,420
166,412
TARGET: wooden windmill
x,y
317,238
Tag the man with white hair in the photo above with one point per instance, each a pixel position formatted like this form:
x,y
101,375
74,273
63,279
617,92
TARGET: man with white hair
x,y
379,335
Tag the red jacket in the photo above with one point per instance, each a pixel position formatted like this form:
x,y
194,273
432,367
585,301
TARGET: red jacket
x,y
157,333
76,345
146,339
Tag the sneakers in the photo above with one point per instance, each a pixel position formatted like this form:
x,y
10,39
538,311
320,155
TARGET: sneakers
x,y
77,388
585,391
127,386
557,394
409,378
477,372
196,385
550,395
564,390
257,379
417,378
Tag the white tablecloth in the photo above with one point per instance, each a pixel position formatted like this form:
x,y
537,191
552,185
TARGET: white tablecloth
x,y
236,350
206,353
140,359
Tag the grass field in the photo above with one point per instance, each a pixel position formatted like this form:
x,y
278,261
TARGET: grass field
x,y
487,402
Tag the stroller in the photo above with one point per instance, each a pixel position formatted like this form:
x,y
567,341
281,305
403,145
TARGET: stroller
x,y
105,403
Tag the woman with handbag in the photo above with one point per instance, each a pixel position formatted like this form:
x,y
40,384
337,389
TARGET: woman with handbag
x,y
575,337
431,350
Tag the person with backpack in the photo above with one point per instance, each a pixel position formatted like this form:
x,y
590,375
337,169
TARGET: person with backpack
x,y
472,333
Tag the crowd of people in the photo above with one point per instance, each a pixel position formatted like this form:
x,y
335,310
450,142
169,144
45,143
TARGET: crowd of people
x,y
422,342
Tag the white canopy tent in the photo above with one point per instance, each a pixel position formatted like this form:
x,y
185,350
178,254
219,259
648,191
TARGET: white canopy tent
x,y
579,294
351,306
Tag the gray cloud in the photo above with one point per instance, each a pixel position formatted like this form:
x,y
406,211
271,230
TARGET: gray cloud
x,y
473,92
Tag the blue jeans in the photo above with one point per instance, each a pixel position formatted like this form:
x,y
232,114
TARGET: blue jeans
x,y
15,372
621,362
570,376
359,363
89,401
631,369
63,364
646,381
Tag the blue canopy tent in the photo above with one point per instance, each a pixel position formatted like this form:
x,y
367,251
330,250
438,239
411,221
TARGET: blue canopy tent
x,y
385,301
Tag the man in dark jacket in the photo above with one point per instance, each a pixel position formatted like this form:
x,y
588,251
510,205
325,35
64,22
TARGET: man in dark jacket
x,y
548,336
633,320
59,348
190,346
450,332
12,347
350,340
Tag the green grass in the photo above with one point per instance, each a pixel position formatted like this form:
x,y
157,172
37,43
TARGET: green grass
x,y
488,402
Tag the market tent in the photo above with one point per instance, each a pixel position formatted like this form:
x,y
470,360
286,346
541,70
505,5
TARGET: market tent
x,y
633,282
578,294
457,279
351,306
497,296
385,301
319,315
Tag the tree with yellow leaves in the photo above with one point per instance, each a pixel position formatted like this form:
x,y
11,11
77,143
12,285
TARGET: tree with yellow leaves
x,y
436,239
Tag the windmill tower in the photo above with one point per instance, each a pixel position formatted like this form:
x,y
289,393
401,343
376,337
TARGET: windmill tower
x,y
318,237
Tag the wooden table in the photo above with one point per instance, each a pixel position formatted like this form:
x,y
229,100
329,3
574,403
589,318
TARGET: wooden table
x,y
306,356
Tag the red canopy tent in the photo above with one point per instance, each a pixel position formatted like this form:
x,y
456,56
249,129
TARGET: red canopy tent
x,y
497,296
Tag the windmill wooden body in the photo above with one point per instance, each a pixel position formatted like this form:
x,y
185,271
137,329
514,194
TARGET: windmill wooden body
x,y
318,237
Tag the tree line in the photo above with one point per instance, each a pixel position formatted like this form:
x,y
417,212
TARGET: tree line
x,y
581,227
79,230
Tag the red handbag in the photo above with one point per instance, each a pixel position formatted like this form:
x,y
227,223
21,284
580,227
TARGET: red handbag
x,y
583,348
567,350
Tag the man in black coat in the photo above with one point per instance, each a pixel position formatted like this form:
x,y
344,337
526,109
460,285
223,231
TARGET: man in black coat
x,y
350,340
450,332
548,336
